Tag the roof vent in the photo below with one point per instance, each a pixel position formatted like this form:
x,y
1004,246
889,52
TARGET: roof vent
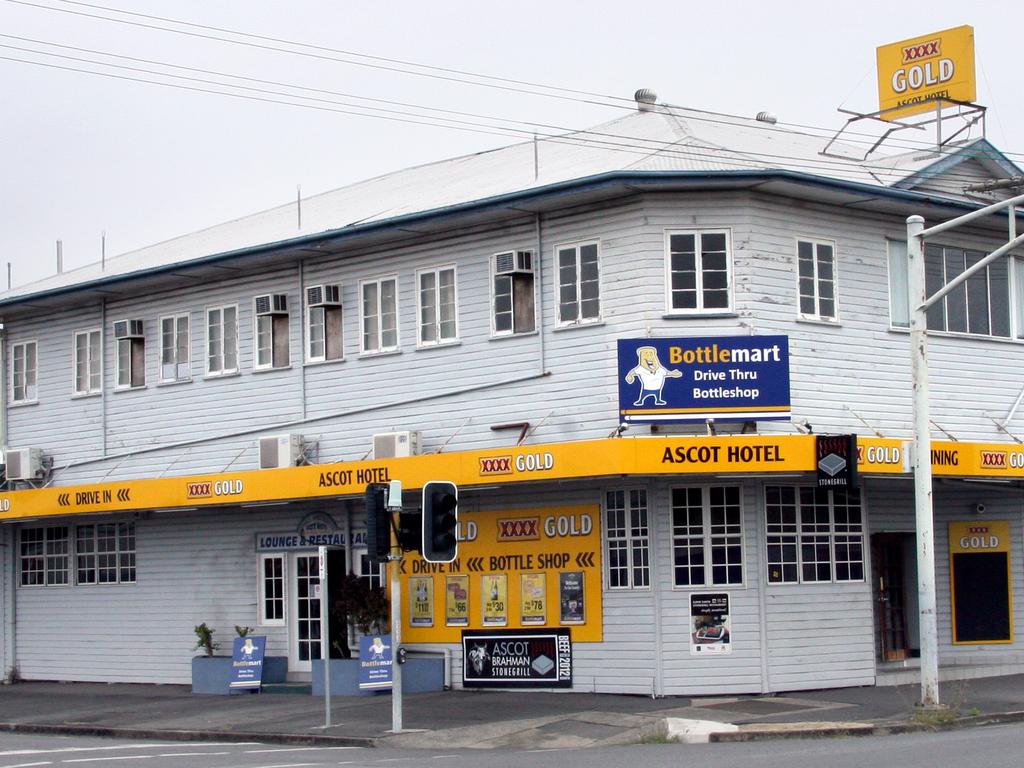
x,y
645,99
766,117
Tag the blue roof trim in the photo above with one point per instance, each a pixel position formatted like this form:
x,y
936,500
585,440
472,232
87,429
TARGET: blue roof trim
x,y
980,149
586,183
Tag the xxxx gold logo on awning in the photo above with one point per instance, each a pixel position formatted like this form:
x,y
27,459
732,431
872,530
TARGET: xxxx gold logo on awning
x,y
199,490
519,529
994,459
496,465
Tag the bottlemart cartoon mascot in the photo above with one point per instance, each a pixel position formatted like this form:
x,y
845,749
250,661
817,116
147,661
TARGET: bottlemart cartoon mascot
x,y
652,375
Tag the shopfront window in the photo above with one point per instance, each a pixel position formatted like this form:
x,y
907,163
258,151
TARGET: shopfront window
x,y
813,535
627,539
707,536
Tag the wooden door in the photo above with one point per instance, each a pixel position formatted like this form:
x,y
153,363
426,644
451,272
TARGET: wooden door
x,y
890,599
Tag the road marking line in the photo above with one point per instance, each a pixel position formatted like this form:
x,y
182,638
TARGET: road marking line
x,y
296,749
12,752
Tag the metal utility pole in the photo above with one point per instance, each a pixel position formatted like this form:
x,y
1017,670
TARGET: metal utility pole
x,y
394,567
920,303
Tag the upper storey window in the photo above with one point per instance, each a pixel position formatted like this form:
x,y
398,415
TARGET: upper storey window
x,y
699,272
579,287
380,314
816,279
131,353
23,372
221,340
175,356
981,306
88,362
437,306
271,313
513,293
324,323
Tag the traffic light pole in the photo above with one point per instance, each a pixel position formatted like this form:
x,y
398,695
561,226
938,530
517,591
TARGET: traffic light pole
x,y
394,568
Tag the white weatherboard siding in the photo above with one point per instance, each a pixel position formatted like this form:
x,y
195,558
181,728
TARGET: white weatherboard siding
x,y
860,362
7,560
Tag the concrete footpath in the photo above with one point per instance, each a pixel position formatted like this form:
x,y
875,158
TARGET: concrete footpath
x,y
494,719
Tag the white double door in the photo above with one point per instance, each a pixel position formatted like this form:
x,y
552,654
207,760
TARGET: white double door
x,y
304,621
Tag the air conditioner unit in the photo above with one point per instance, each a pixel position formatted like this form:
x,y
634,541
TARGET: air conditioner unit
x,y
323,295
128,329
272,304
391,445
513,262
278,451
24,463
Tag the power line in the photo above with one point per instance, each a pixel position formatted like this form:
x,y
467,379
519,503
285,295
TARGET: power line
x,y
610,101
611,141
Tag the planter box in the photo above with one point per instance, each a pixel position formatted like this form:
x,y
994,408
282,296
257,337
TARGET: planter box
x,y
418,676
212,674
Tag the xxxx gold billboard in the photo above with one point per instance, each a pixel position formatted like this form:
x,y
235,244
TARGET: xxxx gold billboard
x,y
937,65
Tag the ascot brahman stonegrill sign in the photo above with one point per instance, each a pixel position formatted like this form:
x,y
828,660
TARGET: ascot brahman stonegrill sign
x,y
913,73
729,378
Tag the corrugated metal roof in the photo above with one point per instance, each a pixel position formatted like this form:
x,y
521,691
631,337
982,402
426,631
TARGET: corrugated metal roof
x,y
656,139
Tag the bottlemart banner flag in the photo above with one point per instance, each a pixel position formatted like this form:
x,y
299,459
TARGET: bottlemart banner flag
x,y
725,378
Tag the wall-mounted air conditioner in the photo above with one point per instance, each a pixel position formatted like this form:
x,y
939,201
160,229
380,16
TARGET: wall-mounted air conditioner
x,y
128,329
391,445
272,304
513,262
278,451
328,295
24,463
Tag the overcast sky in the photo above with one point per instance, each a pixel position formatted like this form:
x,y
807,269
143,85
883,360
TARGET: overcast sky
x,y
84,154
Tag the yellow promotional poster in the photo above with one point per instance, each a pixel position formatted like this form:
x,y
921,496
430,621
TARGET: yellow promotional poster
x,y
913,73
534,557
421,602
533,598
456,601
494,592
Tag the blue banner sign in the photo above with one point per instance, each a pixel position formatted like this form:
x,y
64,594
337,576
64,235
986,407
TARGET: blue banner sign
x,y
725,378
375,655
247,664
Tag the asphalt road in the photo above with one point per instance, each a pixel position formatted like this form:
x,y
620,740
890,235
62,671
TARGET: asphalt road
x,y
992,747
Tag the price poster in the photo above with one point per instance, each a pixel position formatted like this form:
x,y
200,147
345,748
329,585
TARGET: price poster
x,y
421,601
570,585
533,594
495,596
456,601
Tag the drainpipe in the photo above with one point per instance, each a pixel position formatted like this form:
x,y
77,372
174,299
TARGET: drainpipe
x,y
540,303
7,536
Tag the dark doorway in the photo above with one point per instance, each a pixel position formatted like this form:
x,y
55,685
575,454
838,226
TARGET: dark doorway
x,y
888,558
337,637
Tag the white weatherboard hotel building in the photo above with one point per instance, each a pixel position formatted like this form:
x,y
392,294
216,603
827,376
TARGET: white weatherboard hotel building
x,y
186,424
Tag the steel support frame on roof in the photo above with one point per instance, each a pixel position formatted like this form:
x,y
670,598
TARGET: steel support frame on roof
x,y
969,111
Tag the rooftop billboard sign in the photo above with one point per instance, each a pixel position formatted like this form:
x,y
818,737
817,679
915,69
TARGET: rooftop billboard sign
x,y
937,65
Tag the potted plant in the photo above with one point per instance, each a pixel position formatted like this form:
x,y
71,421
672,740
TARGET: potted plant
x,y
210,673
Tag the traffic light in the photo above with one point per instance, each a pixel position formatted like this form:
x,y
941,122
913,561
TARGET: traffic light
x,y
378,524
440,518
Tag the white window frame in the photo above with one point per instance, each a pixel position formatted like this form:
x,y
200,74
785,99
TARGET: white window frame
x,y
378,329
93,362
436,323
49,556
324,311
262,618
796,536
223,370
131,344
709,538
577,246
899,301
176,346
632,542
817,280
495,333
276,325
377,580
700,309
123,555
30,390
